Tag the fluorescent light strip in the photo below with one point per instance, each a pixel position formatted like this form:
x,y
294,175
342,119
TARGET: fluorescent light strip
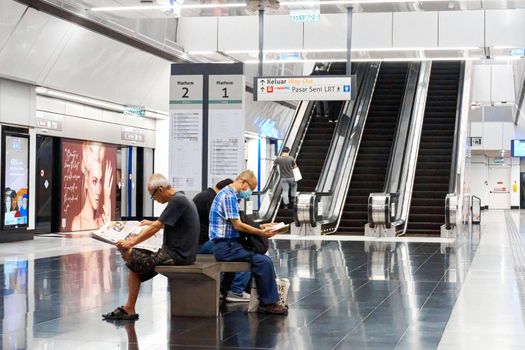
x,y
115,107
243,4
388,49
164,7
413,59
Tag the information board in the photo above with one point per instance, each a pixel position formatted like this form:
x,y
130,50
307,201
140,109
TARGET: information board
x,y
186,113
310,88
226,127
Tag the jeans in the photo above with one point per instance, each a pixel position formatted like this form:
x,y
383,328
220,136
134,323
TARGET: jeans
x,y
241,279
206,248
288,183
262,267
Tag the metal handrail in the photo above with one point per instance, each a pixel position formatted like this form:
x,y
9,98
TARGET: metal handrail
x,y
361,72
348,152
472,209
457,133
412,151
395,163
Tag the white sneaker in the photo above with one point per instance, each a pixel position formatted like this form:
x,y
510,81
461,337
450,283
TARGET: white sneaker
x,y
237,298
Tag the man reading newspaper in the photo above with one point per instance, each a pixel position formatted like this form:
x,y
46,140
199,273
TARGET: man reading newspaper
x,y
180,221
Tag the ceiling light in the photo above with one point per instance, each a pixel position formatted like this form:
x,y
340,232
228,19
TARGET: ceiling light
x,y
388,49
367,60
244,4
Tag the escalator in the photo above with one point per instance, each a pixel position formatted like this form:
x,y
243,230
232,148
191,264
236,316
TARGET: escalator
x,y
314,148
431,182
375,148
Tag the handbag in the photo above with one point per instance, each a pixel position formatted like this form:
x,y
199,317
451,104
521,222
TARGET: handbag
x,y
297,174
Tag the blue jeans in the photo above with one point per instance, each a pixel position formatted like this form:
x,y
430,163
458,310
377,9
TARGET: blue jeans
x,y
206,248
241,279
262,267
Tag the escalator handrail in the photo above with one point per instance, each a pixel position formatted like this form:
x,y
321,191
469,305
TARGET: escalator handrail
x,y
351,143
320,189
416,126
457,133
395,164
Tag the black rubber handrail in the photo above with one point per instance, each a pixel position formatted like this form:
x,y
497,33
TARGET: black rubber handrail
x,y
457,132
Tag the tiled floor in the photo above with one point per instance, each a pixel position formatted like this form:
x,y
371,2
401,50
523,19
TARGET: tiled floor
x,y
490,310
344,294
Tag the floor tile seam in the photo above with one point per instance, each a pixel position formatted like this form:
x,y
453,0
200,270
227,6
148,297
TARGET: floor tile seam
x,y
296,301
330,308
317,272
424,262
432,292
366,317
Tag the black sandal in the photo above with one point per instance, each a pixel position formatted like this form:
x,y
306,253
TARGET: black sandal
x,y
119,314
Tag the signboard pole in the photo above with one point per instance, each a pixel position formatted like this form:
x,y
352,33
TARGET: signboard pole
x,y
349,13
261,41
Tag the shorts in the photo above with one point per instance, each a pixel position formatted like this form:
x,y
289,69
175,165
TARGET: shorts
x,y
143,262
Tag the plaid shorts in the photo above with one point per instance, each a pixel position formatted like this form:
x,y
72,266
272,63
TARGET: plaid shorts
x,y
143,262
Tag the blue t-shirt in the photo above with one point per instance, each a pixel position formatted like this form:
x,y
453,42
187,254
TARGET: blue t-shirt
x,y
223,209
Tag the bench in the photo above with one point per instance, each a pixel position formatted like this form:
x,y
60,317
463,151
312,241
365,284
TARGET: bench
x,y
195,288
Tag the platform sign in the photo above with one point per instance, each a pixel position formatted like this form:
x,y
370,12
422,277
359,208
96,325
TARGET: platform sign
x,y
186,110
310,88
226,127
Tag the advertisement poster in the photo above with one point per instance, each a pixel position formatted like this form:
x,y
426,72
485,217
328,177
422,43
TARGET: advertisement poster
x,y
16,181
88,195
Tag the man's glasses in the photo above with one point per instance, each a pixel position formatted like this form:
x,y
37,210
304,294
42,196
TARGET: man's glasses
x,y
154,193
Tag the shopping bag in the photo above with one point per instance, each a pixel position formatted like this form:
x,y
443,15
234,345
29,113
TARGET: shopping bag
x,y
253,305
283,286
297,174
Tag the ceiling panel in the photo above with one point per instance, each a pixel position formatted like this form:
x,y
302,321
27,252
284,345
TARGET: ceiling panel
x,y
10,14
32,45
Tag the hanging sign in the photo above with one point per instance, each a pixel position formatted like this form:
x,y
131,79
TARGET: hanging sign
x,y
310,88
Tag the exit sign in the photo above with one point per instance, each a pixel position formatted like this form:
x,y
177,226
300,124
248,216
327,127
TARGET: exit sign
x,y
305,15
137,111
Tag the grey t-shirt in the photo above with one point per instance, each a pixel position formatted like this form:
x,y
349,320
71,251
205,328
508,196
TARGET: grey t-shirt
x,y
286,165
181,229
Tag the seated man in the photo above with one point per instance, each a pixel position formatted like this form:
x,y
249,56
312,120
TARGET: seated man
x,y
233,284
180,221
225,225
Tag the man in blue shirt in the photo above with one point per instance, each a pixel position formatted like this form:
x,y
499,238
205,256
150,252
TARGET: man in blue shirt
x,y
225,225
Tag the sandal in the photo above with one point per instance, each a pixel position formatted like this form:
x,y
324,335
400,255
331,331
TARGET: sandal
x,y
119,314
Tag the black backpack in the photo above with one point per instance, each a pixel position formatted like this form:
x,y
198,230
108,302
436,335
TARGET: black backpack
x,y
255,243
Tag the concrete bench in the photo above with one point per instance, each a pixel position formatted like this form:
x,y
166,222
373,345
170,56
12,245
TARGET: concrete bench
x,y
195,288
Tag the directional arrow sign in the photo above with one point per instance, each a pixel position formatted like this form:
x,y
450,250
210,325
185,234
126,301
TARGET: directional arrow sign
x,y
311,88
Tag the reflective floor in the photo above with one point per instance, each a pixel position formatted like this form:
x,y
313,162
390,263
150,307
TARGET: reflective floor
x,y
343,295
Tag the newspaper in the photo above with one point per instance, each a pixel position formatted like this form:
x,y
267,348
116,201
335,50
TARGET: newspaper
x,y
118,230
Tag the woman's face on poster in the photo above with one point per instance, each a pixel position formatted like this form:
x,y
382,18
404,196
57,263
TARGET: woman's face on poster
x,y
94,184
